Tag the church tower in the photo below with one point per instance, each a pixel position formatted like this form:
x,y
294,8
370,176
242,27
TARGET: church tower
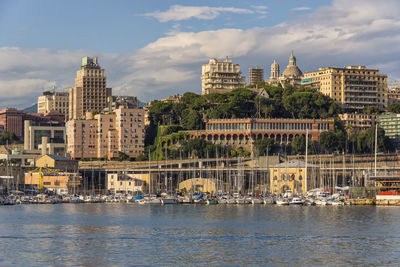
x,y
274,71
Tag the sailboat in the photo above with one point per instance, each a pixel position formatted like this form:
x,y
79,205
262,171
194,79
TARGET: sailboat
x,y
150,199
167,199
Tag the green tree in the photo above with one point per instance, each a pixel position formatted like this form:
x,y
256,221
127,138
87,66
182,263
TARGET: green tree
x,y
192,120
265,146
394,107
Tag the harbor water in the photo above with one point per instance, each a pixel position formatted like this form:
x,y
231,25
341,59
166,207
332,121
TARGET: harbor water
x,y
215,235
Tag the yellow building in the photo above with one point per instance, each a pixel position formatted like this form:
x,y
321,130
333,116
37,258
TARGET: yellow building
x,y
57,162
127,183
357,121
354,87
291,175
90,92
198,185
52,101
53,180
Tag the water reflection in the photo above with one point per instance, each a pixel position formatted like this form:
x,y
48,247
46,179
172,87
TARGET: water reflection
x,y
120,234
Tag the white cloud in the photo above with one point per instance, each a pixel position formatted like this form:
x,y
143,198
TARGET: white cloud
x,y
302,8
260,9
178,12
338,35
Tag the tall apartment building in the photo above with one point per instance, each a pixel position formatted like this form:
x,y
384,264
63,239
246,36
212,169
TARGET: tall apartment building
x,y
104,135
357,121
221,77
52,101
255,75
354,87
90,93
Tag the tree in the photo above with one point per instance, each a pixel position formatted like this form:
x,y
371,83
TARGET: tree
x,y
192,120
394,107
299,144
265,146
122,156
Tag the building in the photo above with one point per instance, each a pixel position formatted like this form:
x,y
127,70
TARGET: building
x,y
120,183
291,75
354,87
221,77
1,130
274,77
394,95
291,175
390,123
57,162
54,102
53,180
90,93
44,137
356,122
243,132
105,135
255,75
12,120
114,102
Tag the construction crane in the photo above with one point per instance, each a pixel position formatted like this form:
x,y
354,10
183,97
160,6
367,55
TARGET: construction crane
x,y
42,170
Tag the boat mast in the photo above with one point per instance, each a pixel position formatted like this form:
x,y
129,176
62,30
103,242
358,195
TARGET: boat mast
x,y
149,176
305,179
376,144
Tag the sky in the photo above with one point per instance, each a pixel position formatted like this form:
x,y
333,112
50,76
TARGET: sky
x,y
153,49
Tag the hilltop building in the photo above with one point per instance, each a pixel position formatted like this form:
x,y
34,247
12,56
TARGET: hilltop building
x,y
291,75
357,122
255,75
393,95
221,77
354,87
52,101
90,93
105,135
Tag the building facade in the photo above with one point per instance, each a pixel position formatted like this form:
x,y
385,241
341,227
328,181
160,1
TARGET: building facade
x,y
120,183
105,135
243,132
44,138
255,75
390,122
90,93
114,102
354,87
53,180
52,101
356,122
221,77
291,176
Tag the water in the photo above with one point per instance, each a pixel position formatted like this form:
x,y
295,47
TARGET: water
x,y
177,235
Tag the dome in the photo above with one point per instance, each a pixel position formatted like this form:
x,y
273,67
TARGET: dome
x,y
292,71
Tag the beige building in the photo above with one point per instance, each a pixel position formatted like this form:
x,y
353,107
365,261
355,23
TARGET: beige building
x,y
354,87
90,93
105,135
291,176
44,138
291,75
255,75
221,77
354,121
57,162
126,183
52,101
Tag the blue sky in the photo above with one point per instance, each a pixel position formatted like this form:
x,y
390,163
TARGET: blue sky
x,y
153,49
122,26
